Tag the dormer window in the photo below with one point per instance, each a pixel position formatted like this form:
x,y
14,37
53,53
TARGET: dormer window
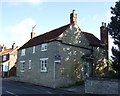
x,y
44,47
22,52
33,49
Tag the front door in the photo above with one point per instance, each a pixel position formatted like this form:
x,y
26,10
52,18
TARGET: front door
x,y
5,69
86,70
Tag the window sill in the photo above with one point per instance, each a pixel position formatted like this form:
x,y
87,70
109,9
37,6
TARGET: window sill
x,y
22,71
43,50
43,71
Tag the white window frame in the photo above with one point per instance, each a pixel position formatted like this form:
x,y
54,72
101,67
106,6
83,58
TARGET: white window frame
x,y
22,66
4,58
44,47
43,63
33,49
23,52
29,66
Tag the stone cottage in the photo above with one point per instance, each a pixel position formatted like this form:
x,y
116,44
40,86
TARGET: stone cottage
x,y
8,59
61,56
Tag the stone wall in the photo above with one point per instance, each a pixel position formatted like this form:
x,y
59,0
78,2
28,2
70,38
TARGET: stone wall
x,y
102,86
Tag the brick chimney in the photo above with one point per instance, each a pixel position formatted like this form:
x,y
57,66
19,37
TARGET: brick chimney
x,y
13,46
3,47
104,37
73,18
33,34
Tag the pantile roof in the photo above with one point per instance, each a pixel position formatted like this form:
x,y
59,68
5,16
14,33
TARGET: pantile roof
x,y
93,40
48,36
7,51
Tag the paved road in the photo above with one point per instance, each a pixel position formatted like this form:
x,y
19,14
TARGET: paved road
x,y
16,88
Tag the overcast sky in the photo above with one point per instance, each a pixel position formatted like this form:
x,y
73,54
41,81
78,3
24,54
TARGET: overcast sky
x,y
19,16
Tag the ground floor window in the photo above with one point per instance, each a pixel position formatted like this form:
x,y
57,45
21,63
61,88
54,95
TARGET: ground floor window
x,y
22,66
43,63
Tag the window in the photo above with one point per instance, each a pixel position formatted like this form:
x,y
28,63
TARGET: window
x,y
22,66
22,52
44,47
4,57
43,62
33,49
29,64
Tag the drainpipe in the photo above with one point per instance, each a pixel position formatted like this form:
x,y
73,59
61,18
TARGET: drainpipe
x,y
54,76
93,66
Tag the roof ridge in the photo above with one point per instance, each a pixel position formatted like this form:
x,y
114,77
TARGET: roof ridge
x,y
51,30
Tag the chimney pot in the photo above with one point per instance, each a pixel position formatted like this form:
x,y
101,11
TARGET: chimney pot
x,y
103,24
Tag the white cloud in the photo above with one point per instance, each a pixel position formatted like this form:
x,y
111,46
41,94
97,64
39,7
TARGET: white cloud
x,y
19,33
16,2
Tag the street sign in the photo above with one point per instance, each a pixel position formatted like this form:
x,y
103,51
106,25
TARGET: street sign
x,y
57,59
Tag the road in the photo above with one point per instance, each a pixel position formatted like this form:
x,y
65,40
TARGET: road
x,y
16,88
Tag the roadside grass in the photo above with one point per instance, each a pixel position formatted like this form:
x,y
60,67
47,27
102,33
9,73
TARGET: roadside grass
x,y
74,85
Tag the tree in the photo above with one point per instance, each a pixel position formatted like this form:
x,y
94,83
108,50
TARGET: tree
x,y
114,31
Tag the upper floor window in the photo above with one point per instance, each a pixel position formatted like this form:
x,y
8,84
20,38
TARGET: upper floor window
x,y
29,64
22,52
33,49
22,66
4,57
43,62
44,47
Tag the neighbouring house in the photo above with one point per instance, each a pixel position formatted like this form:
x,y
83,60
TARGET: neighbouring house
x,y
62,56
8,59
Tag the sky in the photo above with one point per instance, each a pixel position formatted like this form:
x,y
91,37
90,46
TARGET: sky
x,y
19,16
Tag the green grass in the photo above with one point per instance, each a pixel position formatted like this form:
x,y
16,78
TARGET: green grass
x,y
73,85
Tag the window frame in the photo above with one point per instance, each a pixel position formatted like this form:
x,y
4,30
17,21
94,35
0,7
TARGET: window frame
x,y
33,49
29,65
43,64
44,47
23,52
22,66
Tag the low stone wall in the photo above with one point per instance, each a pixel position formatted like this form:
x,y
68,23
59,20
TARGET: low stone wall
x,y
102,86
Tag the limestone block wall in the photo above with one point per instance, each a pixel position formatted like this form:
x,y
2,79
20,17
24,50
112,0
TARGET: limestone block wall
x,y
102,86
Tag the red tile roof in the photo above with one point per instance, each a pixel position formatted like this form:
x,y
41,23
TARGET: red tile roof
x,y
52,35
94,41
7,51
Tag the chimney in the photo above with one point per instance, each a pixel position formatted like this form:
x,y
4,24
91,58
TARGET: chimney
x,y
13,46
73,18
104,37
3,47
33,33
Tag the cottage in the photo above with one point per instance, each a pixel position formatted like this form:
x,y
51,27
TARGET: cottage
x,y
62,56
8,59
